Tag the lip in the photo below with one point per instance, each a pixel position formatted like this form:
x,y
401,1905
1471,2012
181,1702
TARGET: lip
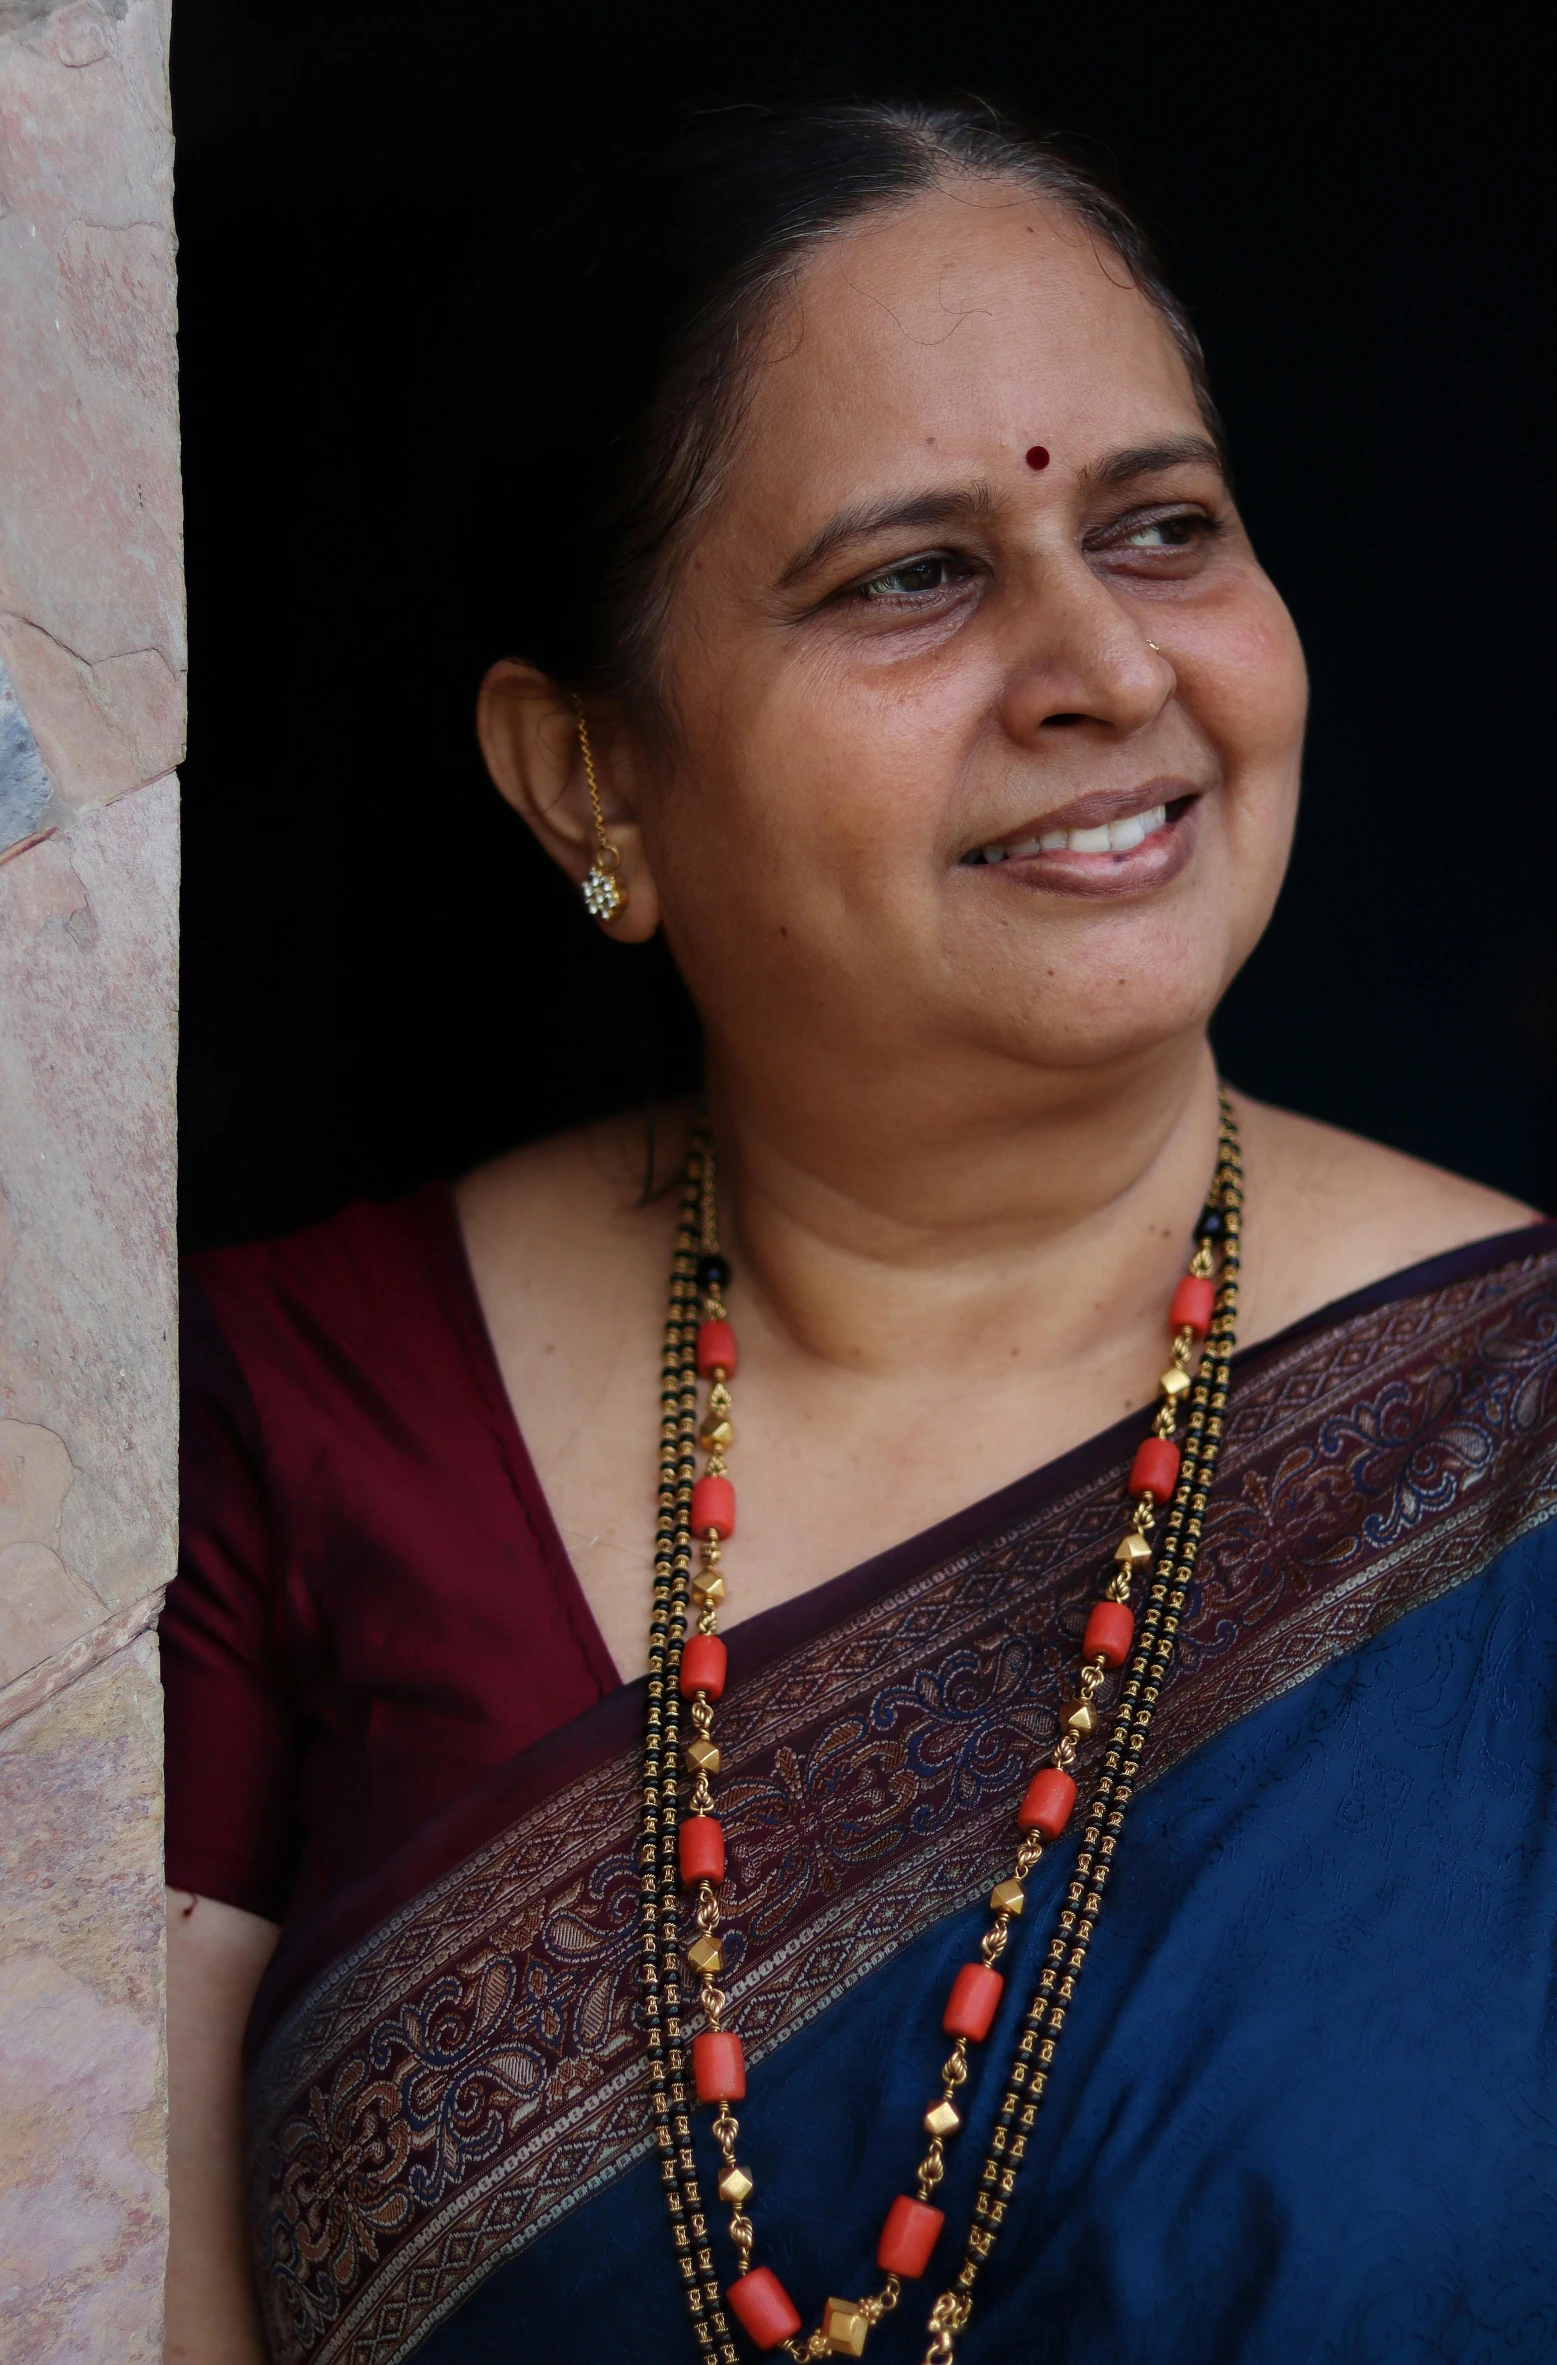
x,y
1152,863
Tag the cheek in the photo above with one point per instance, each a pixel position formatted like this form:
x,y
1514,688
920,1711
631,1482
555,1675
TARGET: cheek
x,y
816,787
1260,807
757,848
798,870
1243,680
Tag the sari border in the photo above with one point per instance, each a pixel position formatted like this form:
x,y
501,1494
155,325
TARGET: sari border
x,y
1380,1467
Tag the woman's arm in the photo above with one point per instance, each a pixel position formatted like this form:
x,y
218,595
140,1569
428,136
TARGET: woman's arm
x,y
216,1954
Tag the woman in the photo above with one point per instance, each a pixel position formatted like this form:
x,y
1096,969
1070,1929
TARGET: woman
x,y
912,670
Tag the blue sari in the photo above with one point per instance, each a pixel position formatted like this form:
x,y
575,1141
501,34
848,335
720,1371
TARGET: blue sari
x,y
1305,2106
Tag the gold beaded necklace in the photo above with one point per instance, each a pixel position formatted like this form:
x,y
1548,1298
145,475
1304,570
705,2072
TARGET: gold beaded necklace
x,y
677,1851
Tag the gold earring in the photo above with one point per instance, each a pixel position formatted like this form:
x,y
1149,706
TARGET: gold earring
x,y
1152,645
604,894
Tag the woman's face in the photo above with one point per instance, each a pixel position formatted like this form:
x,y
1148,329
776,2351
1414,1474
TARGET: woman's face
x,y
938,805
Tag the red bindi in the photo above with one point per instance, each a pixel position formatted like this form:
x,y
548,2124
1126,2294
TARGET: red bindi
x,y
1037,457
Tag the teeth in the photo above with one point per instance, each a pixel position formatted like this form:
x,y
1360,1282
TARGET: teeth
x,y
1114,837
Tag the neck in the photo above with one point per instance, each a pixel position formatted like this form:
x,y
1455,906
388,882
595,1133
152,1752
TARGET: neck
x,y
885,1232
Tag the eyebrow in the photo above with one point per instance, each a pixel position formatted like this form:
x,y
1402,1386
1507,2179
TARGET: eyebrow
x,y
1148,459
954,506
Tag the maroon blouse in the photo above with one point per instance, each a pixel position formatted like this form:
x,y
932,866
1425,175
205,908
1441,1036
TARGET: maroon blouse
x,y
373,1607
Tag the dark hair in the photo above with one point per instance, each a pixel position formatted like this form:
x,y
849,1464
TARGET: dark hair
x,y
659,283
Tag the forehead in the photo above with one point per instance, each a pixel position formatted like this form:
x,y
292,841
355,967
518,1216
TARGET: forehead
x,y
974,323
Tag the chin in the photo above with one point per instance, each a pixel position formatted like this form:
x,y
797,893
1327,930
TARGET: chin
x,y
1117,989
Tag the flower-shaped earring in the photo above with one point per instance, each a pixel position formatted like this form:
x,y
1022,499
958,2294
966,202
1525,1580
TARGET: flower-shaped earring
x,y
603,891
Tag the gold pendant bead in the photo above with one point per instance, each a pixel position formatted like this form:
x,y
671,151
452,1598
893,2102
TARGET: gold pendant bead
x,y
844,2326
709,1588
942,2118
735,2186
716,1434
703,1757
1006,1897
1078,1718
1133,1551
1174,1383
706,1956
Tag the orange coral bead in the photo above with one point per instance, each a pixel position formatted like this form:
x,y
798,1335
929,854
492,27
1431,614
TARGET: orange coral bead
x,y
1155,1468
1110,1632
700,1844
1046,1808
704,1662
972,2004
1194,1303
910,2234
713,1507
764,2307
718,2067
715,1349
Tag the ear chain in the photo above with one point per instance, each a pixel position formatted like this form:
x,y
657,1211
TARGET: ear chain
x,y
689,1852
603,891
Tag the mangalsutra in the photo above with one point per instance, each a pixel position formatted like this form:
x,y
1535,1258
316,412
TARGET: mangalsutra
x,y
1169,1482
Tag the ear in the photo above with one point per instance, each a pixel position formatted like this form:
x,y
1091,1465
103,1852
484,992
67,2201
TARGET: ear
x,y
528,730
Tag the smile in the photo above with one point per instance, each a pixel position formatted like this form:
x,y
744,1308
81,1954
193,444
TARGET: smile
x,y
1111,843
1109,837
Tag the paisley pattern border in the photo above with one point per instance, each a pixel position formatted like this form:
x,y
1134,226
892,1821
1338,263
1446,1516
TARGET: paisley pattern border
x,y
472,2071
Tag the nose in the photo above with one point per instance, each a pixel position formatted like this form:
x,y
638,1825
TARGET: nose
x,y
1079,657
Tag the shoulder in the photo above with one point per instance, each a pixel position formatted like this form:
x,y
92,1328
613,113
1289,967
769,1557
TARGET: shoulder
x,y
1329,1213
374,1288
343,1256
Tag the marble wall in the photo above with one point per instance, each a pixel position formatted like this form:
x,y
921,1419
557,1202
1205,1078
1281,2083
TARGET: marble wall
x,y
91,727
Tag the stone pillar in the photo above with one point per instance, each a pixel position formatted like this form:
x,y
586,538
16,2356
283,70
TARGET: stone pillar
x,y
91,727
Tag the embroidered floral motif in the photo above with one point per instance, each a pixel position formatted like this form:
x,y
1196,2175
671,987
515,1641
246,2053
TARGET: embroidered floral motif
x,y
472,2071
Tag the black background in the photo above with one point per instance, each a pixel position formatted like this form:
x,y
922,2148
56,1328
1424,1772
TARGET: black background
x,y
384,981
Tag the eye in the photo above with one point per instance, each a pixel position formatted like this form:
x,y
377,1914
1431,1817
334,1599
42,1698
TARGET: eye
x,y
912,579
1168,533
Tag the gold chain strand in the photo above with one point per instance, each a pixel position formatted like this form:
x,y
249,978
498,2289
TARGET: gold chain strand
x,y
713,2327
711,2322
1118,1772
660,1974
658,1881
